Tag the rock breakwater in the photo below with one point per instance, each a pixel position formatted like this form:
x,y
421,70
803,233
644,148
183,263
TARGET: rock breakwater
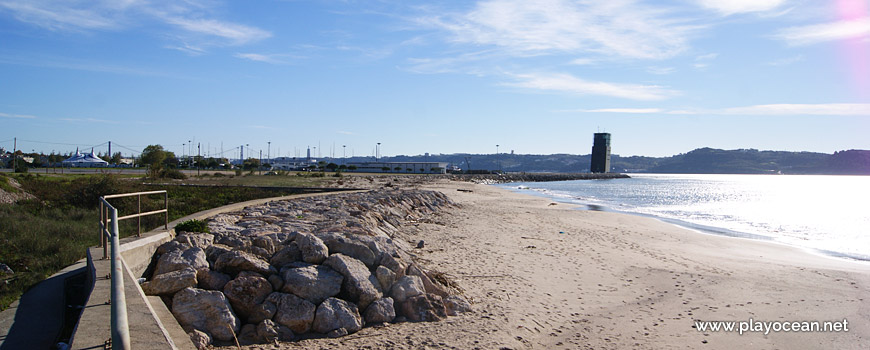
x,y
317,266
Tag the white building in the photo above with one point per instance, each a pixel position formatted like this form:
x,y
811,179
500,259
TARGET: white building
x,y
401,167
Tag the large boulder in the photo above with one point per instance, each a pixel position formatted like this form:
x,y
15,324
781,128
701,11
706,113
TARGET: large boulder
x,y
170,282
246,293
268,332
264,311
211,280
289,254
293,312
207,311
170,246
426,307
380,311
352,248
334,314
385,277
236,261
201,340
431,286
359,285
406,287
213,252
314,283
200,240
177,259
312,248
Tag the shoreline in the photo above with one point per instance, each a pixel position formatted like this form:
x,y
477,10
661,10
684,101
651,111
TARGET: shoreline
x,y
544,276
700,228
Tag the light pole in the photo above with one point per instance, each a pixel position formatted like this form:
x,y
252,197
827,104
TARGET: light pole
x,y
183,146
378,152
343,154
189,151
497,160
269,150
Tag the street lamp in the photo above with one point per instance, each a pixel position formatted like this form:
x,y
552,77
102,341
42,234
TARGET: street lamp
x,y
344,154
497,160
378,152
269,150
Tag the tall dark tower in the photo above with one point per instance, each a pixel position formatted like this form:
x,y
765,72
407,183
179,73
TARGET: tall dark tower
x,y
601,153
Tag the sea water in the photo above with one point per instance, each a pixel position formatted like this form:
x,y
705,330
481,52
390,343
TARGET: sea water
x,y
830,214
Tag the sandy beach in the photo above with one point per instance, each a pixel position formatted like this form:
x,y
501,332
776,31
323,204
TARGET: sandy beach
x,y
547,276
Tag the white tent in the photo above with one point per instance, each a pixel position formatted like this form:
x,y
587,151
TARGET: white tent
x,y
85,161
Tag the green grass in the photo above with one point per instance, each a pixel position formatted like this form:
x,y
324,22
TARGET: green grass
x,y
42,236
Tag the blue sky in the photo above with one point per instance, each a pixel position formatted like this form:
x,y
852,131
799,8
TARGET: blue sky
x,y
536,77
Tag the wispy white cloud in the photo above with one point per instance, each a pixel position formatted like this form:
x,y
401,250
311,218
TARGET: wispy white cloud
x,y
192,17
234,33
345,132
660,70
817,33
848,109
17,116
62,15
90,120
829,109
623,28
567,83
730,7
786,61
272,59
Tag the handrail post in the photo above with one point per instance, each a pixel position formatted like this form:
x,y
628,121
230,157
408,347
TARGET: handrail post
x,y
120,326
166,206
139,218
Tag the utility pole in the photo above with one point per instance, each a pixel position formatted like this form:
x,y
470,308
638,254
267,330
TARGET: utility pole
x,y
198,156
260,166
269,150
343,154
497,160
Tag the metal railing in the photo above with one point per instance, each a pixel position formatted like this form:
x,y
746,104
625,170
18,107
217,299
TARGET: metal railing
x,y
109,230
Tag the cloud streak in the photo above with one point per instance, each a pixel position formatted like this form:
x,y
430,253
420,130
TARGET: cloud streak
x,y
16,116
570,84
76,15
824,32
622,28
784,109
731,7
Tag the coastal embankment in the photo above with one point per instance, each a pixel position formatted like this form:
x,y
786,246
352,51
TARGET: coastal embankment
x,y
534,177
542,275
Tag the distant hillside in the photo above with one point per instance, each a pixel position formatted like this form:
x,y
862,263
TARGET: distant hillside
x,y
699,161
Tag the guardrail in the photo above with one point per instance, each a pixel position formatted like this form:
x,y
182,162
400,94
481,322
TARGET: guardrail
x,y
109,230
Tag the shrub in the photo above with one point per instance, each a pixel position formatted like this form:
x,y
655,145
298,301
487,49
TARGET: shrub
x,y
192,226
173,174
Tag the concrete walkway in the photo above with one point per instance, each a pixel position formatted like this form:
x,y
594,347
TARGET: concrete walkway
x,y
35,321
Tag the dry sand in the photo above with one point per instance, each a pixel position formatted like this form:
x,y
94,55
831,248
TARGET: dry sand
x,y
545,276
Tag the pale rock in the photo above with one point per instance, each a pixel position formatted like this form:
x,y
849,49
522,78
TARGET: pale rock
x,y
359,285
213,252
380,311
207,311
385,277
336,313
199,240
431,286
349,247
312,248
236,261
314,283
171,246
177,259
288,254
246,293
170,282
293,312
406,287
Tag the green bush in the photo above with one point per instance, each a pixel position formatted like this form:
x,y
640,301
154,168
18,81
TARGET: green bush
x,y
192,226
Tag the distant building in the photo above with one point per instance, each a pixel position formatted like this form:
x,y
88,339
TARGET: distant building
x,y
401,167
601,153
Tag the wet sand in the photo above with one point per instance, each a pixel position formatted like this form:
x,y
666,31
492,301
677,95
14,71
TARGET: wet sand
x,y
545,276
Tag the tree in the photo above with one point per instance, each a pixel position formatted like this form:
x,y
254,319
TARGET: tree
x,y
397,169
116,158
351,167
332,166
251,164
153,156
